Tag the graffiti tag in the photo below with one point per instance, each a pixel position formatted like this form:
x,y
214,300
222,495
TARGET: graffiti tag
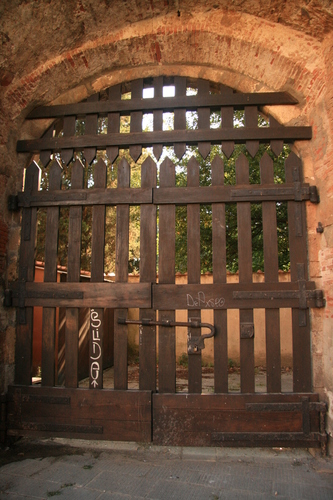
x,y
96,351
201,302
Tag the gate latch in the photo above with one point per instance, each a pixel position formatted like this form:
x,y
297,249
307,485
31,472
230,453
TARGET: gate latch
x,y
194,344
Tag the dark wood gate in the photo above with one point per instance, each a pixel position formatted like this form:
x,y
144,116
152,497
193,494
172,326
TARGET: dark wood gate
x,y
156,411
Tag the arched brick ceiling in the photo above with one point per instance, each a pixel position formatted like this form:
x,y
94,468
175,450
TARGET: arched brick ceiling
x,y
33,32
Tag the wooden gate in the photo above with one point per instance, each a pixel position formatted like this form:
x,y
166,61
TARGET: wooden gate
x,y
155,410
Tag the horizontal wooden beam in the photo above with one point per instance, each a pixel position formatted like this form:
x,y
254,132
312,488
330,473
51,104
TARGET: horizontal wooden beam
x,y
230,193
168,137
231,296
163,196
126,106
72,197
97,295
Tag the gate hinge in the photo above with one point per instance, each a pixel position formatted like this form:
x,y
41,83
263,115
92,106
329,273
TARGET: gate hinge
x,y
15,297
314,196
318,297
13,203
8,298
3,418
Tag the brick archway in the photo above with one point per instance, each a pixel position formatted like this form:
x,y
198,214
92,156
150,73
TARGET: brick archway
x,y
86,53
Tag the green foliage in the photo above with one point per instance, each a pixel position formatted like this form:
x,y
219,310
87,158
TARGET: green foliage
x,y
183,360
230,211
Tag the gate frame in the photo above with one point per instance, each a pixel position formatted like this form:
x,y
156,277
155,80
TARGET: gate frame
x,y
29,294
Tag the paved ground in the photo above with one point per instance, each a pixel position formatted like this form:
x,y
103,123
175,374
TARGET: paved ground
x,y
90,470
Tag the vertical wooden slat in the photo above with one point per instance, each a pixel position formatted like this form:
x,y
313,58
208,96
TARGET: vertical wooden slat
x,y
219,276
245,275
73,275
97,276
251,120
50,276
227,117
69,131
147,347
91,122
136,118
158,115
271,266
23,346
122,249
166,273
203,117
44,156
180,115
193,272
276,145
113,122
298,262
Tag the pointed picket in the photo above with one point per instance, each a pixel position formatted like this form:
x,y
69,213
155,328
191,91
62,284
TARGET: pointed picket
x,y
113,122
180,115
91,129
136,119
204,117
158,115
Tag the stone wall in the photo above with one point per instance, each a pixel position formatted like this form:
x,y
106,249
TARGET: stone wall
x,y
63,51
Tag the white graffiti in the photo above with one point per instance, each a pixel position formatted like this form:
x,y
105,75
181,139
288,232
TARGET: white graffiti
x,y
200,301
95,323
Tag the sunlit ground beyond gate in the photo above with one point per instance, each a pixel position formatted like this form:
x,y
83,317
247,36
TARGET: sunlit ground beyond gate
x,y
207,379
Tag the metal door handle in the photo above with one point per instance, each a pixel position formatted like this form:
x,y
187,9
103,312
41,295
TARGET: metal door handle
x,y
194,344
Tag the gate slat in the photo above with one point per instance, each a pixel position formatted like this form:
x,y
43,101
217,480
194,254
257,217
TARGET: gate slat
x,y
122,250
245,275
227,117
193,272
44,156
73,275
166,274
113,122
204,117
158,115
298,260
91,129
147,347
69,131
251,121
219,276
136,118
23,346
180,115
97,276
271,267
277,145
50,275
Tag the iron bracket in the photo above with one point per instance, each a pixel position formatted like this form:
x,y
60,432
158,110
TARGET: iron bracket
x,y
13,203
247,330
194,344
